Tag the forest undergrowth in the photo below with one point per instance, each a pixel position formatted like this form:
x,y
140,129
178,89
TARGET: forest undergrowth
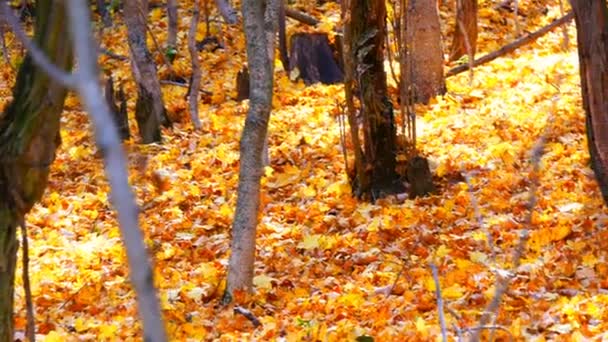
x,y
329,267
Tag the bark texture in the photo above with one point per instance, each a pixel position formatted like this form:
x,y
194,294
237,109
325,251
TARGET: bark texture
x,y
195,80
29,136
591,18
367,30
172,27
465,30
150,110
260,22
423,38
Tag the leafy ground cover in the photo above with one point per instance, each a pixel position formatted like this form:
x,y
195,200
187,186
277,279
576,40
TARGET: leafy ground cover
x,y
329,267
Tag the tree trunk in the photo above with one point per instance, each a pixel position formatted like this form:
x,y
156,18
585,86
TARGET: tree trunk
x,y
150,110
260,22
466,19
591,18
172,29
195,80
29,136
367,30
424,46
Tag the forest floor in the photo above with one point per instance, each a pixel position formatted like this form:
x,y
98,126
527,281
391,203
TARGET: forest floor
x,y
329,267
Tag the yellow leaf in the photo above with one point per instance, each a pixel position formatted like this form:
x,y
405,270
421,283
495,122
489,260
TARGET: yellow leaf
x,y
421,326
262,282
310,242
453,292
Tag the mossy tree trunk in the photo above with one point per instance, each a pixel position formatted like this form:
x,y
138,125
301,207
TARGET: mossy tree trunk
x,y
367,35
29,136
591,18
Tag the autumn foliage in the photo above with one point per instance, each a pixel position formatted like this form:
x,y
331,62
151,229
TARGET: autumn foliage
x,y
328,266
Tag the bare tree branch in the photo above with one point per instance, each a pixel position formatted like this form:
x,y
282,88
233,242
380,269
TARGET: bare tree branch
x,y
115,166
444,334
512,46
502,283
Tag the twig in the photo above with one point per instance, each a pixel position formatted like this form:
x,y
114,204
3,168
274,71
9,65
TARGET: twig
x,y
302,17
516,14
109,53
444,333
478,216
183,85
512,46
467,45
342,126
156,44
502,283
493,328
248,314
394,284
564,29
455,324
63,77
30,330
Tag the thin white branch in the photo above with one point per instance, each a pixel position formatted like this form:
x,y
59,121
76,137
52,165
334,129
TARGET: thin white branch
x,y
115,167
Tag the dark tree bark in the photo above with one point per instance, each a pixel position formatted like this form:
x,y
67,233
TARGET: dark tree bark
x,y
591,18
312,55
377,177
150,110
423,37
29,136
260,22
242,84
119,111
465,30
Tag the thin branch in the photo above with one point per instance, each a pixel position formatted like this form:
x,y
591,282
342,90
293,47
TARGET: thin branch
x,y
183,85
30,330
116,171
467,45
565,28
66,79
156,44
512,46
493,328
248,314
302,17
502,283
111,54
516,10
478,216
444,333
